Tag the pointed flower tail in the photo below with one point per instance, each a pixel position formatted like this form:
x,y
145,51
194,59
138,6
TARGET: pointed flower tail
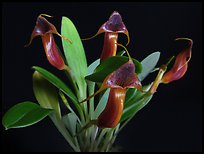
x,y
181,63
43,27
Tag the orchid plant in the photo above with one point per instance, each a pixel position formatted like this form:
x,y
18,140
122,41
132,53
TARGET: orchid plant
x,y
102,97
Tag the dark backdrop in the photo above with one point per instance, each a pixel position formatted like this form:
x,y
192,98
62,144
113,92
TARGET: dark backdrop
x,y
170,122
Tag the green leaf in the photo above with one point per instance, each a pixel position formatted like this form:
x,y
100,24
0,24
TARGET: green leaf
x,y
102,104
46,93
74,53
56,82
62,129
109,65
93,66
130,94
136,102
91,86
148,64
24,114
135,95
70,121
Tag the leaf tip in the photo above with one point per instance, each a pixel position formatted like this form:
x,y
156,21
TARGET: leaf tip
x,y
34,67
6,128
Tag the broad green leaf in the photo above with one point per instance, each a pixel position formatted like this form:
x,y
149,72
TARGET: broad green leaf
x,y
148,64
24,114
74,53
56,82
102,103
46,93
70,121
109,65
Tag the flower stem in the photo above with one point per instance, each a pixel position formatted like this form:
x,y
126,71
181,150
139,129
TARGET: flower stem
x,y
68,73
107,140
62,129
91,87
64,100
99,139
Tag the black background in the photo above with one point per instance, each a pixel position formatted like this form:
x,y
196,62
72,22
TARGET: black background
x,y
171,122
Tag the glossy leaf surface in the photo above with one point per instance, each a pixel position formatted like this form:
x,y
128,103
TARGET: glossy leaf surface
x,y
24,114
74,53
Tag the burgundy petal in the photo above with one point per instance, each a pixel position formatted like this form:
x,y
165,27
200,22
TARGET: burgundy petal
x,y
113,25
113,111
124,77
109,46
52,52
42,28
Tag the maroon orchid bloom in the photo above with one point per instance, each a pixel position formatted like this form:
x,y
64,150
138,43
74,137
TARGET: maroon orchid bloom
x,y
177,71
111,28
46,30
118,82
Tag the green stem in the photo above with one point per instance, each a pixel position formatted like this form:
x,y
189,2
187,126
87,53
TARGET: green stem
x,y
100,138
67,71
94,131
113,138
62,129
107,139
80,138
91,87
64,100
81,96
170,60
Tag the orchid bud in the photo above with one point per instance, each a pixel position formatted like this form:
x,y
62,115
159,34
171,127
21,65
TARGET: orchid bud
x,y
181,64
177,71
